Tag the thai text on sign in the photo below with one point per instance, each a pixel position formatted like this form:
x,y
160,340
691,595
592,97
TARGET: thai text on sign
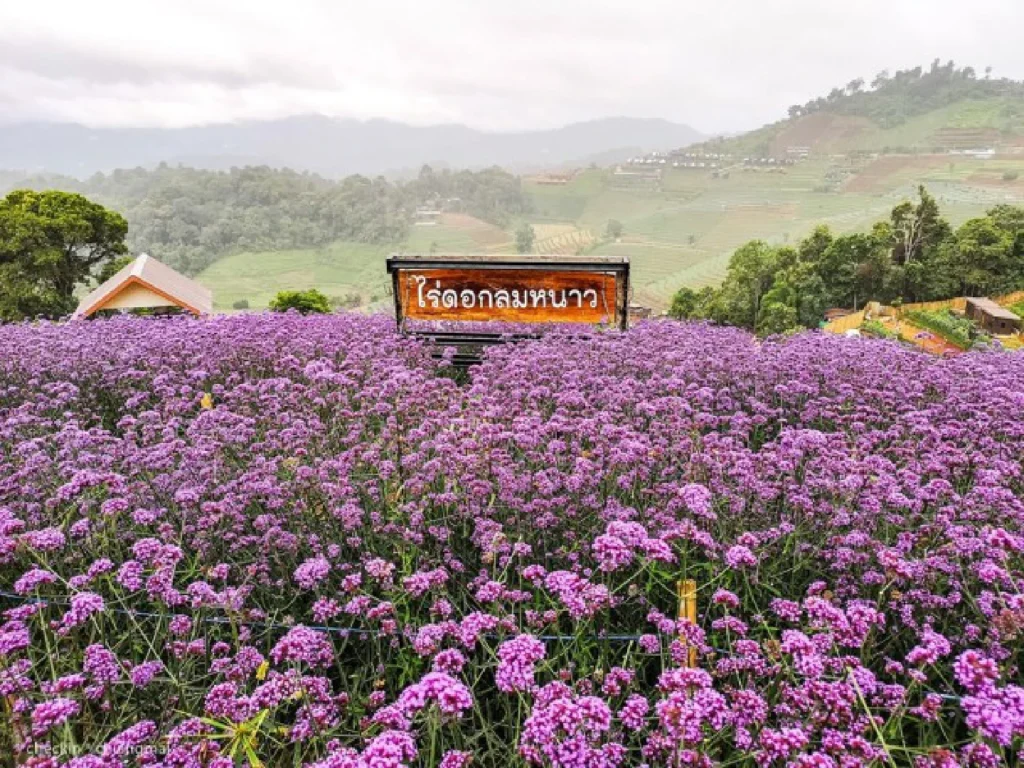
x,y
523,296
542,292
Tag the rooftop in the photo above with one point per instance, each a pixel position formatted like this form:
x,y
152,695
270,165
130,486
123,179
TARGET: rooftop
x,y
154,276
992,309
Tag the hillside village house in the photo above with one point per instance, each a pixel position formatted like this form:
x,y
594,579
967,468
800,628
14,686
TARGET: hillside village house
x,y
992,317
145,283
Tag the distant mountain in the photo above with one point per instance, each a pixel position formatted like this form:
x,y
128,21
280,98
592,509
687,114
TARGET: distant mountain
x,y
329,147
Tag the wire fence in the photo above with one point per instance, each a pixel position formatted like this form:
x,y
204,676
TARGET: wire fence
x,y
687,608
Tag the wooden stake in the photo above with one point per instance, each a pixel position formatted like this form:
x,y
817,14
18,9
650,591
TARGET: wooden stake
x,y
687,589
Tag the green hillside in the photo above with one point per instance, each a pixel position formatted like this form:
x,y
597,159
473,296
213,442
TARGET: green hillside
x,y
842,160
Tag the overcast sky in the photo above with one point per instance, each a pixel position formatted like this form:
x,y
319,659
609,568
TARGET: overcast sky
x,y
719,66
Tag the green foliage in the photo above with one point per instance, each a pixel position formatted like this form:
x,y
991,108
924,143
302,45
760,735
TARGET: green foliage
x,y
306,302
188,218
777,317
913,254
614,229
877,329
525,237
685,304
49,244
1010,175
240,304
987,253
953,328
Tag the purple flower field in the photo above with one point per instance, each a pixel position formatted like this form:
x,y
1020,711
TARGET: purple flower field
x,y
288,541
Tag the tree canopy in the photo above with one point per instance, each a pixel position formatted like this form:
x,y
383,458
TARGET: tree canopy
x,y
49,243
525,238
311,302
914,255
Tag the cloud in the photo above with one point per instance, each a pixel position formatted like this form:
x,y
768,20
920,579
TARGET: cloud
x,y
493,65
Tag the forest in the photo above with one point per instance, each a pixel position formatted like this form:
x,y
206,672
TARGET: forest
x,y
914,255
188,218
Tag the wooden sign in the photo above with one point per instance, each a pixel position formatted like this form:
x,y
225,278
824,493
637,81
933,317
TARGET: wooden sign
x,y
519,289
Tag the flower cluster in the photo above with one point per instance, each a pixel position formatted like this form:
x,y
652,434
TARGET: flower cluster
x,y
517,658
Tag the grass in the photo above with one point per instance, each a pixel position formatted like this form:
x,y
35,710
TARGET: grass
x,y
439,239
878,329
337,270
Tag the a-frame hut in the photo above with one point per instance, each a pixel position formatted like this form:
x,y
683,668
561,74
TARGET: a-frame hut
x,y
147,284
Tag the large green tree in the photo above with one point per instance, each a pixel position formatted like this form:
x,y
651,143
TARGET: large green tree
x,y
916,232
49,243
982,254
750,276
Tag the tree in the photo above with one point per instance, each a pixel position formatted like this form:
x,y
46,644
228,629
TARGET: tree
x,y
777,317
525,237
854,267
916,228
813,247
614,229
684,305
688,304
49,243
984,258
751,270
915,232
306,302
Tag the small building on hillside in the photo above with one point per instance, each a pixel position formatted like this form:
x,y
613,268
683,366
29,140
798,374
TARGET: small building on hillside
x,y
992,317
147,284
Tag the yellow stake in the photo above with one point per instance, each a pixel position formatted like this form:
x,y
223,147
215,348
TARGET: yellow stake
x,y
687,589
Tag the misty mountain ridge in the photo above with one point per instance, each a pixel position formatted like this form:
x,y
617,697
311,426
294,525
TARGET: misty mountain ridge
x,y
331,147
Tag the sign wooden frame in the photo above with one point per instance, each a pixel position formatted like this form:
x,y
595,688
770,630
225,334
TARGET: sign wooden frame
x,y
518,289
507,288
